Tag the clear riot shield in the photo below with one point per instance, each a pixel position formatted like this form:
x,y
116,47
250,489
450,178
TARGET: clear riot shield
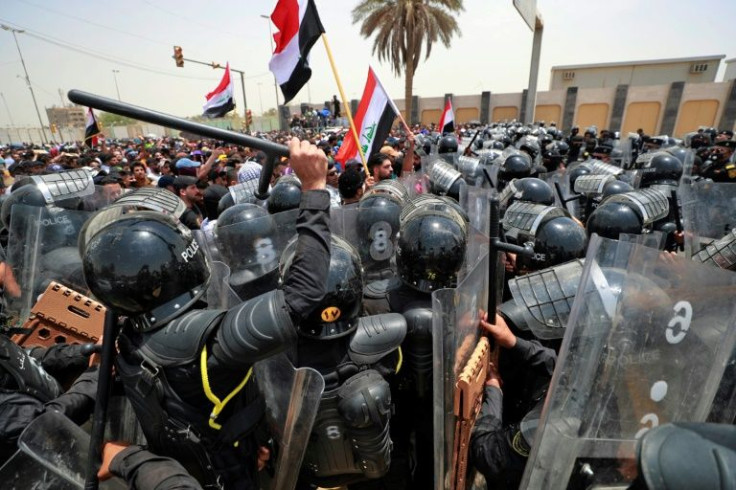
x,y
252,249
42,247
555,180
476,203
52,455
292,400
455,320
471,169
708,213
646,343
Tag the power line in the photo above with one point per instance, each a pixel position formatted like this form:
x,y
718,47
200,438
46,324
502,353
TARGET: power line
x,y
99,55
86,21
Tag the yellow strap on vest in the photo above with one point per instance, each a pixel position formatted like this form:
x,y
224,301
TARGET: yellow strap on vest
x,y
218,405
401,361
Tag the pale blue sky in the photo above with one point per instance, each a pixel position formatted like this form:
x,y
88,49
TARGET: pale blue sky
x,y
136,37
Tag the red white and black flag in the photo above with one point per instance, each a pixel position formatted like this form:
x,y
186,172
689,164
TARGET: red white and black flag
x,y
220,101
447,121
299,28
373,120
92,132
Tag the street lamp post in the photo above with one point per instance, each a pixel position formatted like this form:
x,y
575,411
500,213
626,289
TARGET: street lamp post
x,y
114,76
28,79
270,38
260,100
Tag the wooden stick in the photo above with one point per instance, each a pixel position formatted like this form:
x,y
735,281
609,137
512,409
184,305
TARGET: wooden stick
x,y
345,104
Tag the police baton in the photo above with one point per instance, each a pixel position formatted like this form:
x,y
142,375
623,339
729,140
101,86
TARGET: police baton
x,y
96,441
469,149
272,150
496,245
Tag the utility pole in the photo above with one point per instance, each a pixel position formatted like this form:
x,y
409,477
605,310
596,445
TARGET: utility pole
x,y
179,58
28,79
114,76
270,38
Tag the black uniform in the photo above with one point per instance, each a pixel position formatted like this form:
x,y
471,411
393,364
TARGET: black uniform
x,y
163,373
496,446
18,409
143,470
411,388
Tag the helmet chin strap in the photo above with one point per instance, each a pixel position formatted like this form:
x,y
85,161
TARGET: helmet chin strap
x,y
166,312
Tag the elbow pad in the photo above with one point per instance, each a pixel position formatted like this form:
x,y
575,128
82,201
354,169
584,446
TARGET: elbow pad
x,y
256,329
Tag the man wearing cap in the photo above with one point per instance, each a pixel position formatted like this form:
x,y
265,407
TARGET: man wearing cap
x,y
602,152
724,135
189,190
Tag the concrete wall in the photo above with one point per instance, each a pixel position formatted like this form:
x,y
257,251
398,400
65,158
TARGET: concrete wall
x,y
700,104
633,75
730,70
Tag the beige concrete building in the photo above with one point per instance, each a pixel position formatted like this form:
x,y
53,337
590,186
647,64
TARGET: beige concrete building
x,y
730,70
636,73
64,117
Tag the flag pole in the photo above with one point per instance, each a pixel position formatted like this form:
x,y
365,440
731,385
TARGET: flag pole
x,y
345,104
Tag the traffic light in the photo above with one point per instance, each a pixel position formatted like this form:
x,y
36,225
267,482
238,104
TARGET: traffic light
x,y
178,56
53,128
248,118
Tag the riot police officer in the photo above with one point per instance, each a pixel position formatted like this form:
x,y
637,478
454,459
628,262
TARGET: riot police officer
x,y
430,251
186,370
349,443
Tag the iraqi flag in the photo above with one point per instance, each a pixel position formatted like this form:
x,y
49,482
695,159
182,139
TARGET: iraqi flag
x,y
220,101
373,120
299,28
92,132
447,121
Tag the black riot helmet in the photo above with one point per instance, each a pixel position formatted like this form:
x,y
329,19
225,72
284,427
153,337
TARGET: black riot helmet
x,y
338,312
286,194
615,187
678,152
663,168
610,219
431,248
445,180
225,202
28,195
530,146
447,144
242,232
556,241
515,166
529,189
147,266
576,172
378,225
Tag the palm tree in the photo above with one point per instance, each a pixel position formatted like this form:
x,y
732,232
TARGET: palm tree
x,y
403,29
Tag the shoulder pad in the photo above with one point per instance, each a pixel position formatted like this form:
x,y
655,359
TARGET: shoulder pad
x,y
419,319
181,340
376,336
379,289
